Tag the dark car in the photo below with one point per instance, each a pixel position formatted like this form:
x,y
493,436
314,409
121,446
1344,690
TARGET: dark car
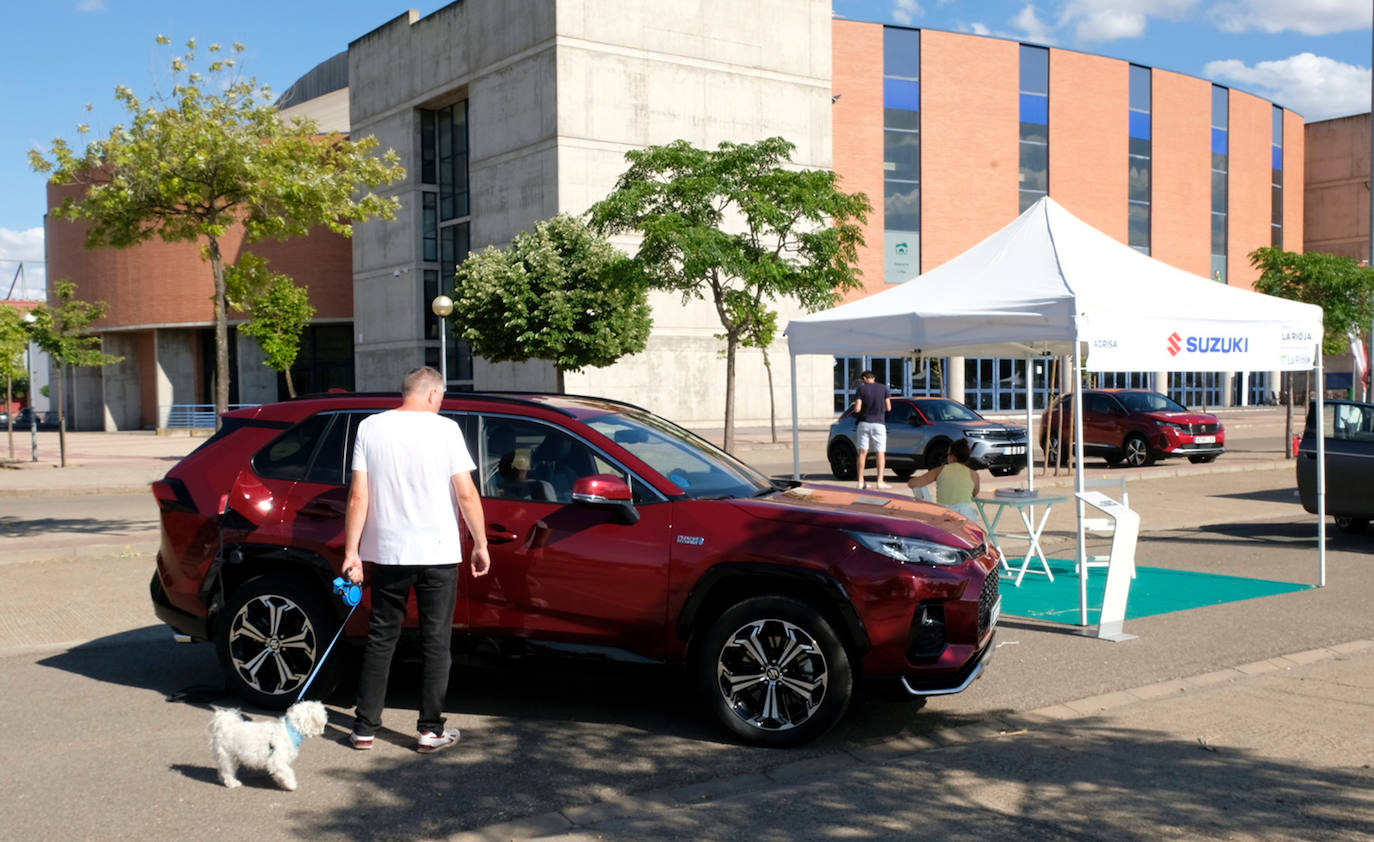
x,y
919,433
1133,427
47,419
1349,430
613,534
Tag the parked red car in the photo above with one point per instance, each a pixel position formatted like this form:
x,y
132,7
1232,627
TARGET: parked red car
x,y
612,533
1133,427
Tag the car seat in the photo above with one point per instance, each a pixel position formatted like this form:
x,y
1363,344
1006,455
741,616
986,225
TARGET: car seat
x,y
551,465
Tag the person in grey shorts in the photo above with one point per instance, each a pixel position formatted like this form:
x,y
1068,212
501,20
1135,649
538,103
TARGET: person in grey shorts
x,y
871,408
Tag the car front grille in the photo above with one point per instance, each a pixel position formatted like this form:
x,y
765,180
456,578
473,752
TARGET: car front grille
x,y
987,600
1199,429
1003,435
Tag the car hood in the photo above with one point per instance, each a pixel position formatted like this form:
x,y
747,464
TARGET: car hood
x,y
881,512
1183,417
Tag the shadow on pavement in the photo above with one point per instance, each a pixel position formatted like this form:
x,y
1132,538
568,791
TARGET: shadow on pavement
x,y
151,661
13,527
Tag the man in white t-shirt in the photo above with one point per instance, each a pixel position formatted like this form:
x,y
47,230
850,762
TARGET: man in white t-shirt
x,y
410,480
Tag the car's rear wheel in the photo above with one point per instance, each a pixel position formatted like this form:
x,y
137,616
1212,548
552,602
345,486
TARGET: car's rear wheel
x,y
843,459
1201,460
903,474
774,672
1136,452
270,637
1353,525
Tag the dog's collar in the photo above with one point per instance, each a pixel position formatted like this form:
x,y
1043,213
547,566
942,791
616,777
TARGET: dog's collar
x,y
296,737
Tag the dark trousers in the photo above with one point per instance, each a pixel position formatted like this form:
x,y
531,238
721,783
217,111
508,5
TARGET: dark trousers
x,y
436,593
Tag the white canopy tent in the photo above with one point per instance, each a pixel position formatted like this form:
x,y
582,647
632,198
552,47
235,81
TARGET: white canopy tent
x,y
1050,284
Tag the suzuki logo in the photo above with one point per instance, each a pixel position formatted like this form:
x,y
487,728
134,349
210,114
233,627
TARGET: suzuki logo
x,y
1175,344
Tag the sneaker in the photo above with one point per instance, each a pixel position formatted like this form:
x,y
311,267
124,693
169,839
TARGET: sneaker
x,y
431,742
360,742
881,486
860,483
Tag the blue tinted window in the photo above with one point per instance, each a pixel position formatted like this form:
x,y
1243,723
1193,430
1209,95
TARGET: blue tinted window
x,y
1219,141
1220,99
902,155
1140,125
1278,126
1140,88
1277,163
1035,109
1035,70
901,52
902,94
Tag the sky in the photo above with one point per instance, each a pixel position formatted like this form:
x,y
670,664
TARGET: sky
x,y
1312,56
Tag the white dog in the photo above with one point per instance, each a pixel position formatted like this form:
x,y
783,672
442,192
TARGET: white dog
x,y
271,746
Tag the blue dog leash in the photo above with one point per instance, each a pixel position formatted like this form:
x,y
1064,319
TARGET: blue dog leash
x,y
351,595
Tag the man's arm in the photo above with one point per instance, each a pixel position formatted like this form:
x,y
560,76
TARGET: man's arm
x,y
355,515
470,504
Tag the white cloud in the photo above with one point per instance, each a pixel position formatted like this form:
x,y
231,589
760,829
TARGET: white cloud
x,y
90,5
25,246
1316,87
1310,17
1028,22
905,11
979,29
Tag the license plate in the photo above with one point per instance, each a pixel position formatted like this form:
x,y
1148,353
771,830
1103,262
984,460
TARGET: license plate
x,y
996,612
1015,450
1204,439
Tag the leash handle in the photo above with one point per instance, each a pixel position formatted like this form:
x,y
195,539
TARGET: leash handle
x,y
351,595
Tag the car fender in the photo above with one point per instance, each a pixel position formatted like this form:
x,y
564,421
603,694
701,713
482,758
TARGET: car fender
x,y
726,583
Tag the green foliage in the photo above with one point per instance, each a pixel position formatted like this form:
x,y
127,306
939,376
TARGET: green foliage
x,y
63,331
281,310
1340,286
214,153
737,226
559,293
14,339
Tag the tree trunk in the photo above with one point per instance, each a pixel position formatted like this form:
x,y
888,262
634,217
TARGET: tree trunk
x,y
561,385
731,344
61,414
772,405
221,334
290,387
9,411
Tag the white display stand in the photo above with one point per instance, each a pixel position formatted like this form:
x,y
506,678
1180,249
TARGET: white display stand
x,y
1120,567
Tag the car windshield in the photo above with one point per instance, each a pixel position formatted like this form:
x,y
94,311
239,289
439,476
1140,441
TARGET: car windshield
x,y
1149,402
702,470
941,410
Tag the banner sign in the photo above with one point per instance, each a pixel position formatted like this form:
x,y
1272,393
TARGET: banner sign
x,y
1194,345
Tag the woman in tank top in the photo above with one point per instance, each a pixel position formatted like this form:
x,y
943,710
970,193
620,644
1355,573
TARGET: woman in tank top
x,y
956,484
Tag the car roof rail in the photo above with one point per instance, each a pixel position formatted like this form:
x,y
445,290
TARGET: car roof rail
x,y
525,398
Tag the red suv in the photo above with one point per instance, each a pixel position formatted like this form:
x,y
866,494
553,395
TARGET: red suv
x,y
1133,427
612,532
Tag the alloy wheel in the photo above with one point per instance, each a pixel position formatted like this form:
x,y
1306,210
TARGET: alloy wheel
x,y
1137,452
772,675
272,644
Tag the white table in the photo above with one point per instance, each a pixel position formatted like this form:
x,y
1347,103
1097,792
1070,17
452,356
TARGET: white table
x,y
1023,507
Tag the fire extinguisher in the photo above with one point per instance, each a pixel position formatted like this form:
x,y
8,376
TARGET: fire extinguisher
x,y
1297,439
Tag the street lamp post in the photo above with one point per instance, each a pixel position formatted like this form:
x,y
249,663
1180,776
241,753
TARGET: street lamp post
x,y
442,305
30,318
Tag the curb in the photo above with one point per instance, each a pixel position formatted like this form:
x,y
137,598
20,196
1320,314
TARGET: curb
x,y
126,549
581,818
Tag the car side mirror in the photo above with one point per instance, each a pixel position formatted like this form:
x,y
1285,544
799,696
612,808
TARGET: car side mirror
x,y
606,491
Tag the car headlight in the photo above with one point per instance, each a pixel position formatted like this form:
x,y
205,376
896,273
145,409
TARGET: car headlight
x,y
911,550
976,434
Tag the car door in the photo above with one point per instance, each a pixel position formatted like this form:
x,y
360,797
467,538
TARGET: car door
x,y
1350,460
902,436
1103,419
565,572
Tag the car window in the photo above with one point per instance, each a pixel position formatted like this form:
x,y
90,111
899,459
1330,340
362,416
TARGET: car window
x,y
530,460
1149,402
328,465
900,414
694,465
1349,422
1101,405
287,456
945,410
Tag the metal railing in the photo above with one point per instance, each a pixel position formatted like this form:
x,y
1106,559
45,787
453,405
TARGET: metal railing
x,y
191,416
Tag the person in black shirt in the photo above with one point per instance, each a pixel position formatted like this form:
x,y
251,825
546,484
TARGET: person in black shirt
x,y
871,408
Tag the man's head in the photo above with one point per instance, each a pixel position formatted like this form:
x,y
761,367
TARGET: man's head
x,y
867,376
423,388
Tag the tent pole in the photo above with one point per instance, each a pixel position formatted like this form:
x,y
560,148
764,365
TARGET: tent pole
x,y
796,448
1078,477
1030,430
1320,433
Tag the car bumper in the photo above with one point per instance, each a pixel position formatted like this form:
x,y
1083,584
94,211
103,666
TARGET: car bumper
x,y
181,622
998,455
957,683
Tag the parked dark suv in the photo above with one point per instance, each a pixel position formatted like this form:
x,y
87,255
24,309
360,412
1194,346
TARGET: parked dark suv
x,y
613,533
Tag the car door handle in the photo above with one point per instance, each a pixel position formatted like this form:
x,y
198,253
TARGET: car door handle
x,y
498,534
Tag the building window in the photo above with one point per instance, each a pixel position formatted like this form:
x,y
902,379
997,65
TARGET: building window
x,y
1197,388
1220,167
901,153
905,377
1035,124
1139,154
998,384
445,221
1276,182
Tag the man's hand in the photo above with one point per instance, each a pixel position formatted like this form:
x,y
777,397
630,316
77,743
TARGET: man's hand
x,y
352,568
481,561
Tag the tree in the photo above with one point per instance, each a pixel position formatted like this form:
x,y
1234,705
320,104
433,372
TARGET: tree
x,y
280,311
763,329
1340,286
559,293
213,154
13,341
735,225
62,331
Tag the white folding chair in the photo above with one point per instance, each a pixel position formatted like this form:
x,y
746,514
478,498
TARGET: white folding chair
x,y
1115,488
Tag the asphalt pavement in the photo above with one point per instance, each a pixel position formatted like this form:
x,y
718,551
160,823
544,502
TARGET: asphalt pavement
x,y
1236,721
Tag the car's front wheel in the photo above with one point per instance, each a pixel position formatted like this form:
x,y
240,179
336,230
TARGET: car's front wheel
x,y
774,672
1353,525
843,459
270,637
1136,452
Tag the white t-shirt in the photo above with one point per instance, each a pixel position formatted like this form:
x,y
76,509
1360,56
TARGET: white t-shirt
x,y
412,514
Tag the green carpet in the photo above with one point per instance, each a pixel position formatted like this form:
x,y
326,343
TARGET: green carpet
x,y
1153,591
